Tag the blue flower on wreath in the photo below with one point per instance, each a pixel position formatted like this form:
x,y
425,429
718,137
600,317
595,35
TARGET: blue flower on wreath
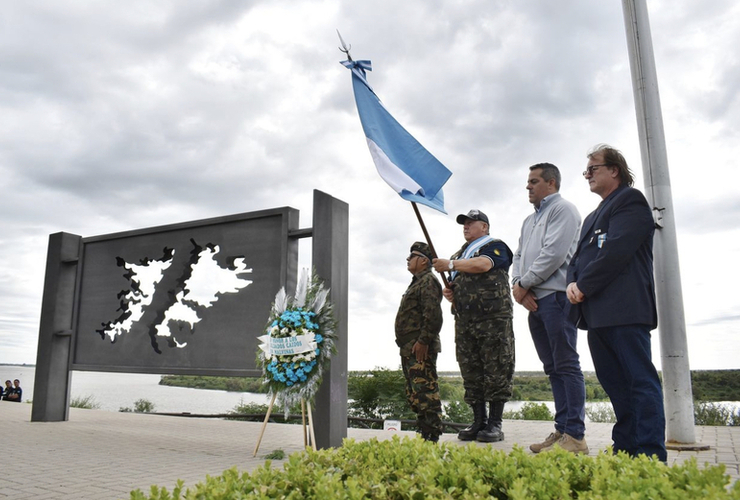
x,y
287,372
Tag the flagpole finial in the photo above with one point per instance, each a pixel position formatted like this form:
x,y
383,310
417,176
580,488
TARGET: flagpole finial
x,y
344,48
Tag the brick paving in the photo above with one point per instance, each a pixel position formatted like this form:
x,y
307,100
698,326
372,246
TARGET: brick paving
x,y
105,455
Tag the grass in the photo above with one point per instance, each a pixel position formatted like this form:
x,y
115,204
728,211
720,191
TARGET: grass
x,y
86,402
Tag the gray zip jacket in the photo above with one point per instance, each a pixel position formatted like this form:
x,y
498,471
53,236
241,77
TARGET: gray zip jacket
x,y
547,243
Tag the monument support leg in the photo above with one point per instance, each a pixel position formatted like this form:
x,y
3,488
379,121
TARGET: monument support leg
x,y
53,357
330,257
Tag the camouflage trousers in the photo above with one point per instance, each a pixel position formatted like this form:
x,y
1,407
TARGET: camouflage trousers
x,y
485,353
422,392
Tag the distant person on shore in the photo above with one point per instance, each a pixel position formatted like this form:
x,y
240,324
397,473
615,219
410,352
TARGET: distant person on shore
x,y
15,393
8,389
418,323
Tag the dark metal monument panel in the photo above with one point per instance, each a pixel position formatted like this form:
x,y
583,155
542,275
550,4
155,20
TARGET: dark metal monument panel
x,y
186,298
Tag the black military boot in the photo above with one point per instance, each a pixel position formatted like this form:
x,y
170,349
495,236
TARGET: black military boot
x,y
479,422
492,432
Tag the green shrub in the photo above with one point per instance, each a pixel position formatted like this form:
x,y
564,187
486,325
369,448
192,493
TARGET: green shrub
x,y
451,389
715,414
143,406
415,469
140,406
536,411
233,384
379,394
594,392
247,409
535,386
601,412
275,455
530,411
458,412
716,385
276,414
86,402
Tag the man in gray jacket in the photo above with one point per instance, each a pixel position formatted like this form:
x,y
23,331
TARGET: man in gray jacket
x,y
547,243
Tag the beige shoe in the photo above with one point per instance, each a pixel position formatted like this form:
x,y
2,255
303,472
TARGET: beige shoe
x,y
549,441
569,443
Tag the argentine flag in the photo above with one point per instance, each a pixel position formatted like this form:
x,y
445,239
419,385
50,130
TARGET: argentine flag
x,y
412,171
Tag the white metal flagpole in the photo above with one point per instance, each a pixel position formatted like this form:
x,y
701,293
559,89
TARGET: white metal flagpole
x,y
679,407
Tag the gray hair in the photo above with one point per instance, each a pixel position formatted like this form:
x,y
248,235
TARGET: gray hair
x,y
613,158
549,172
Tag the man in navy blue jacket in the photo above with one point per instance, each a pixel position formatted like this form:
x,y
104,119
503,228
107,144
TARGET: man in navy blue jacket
x,y
611,286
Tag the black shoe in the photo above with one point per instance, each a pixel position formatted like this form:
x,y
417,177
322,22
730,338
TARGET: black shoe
x,y
492,432
432,438
479,422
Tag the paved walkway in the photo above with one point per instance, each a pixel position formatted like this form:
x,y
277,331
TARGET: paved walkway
x,y
105,455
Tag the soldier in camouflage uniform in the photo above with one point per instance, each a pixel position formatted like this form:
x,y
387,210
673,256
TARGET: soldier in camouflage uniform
x,y
484,336
418,323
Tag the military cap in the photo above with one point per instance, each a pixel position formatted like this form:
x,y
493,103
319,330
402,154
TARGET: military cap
x,y
473,215
423,249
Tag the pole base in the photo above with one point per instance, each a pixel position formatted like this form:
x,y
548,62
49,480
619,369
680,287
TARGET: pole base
x,y
676,446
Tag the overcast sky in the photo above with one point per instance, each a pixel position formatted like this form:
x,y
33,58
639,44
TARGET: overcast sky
x,y
123,115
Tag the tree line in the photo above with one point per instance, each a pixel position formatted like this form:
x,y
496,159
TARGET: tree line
x,y
707,385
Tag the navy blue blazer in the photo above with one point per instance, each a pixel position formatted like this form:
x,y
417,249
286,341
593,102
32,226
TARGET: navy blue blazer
x,y
613,264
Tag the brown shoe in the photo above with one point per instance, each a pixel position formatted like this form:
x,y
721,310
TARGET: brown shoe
x,y
569,443
549,441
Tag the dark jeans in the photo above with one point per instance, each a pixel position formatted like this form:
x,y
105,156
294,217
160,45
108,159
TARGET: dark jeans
x,y
624,366
555,339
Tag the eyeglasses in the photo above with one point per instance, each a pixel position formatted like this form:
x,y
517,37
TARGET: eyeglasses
x,y
590,169
412,255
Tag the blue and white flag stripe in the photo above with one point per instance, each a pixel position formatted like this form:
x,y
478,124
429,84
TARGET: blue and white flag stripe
x,y
412,171
471,249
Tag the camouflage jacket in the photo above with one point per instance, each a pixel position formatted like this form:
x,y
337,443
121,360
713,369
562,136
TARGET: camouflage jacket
x,y
419,316
482,295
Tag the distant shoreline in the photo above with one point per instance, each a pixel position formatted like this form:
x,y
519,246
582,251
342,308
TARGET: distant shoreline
x,y
707,385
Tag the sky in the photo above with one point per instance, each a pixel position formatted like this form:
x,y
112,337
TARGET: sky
x,y
123,115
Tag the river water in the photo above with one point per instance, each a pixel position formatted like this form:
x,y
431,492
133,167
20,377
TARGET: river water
x,y
113,391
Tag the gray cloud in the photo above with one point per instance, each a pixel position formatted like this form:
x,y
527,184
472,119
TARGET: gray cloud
x,y
116,117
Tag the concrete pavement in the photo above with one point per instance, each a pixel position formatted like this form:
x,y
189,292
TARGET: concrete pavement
x,y
106,455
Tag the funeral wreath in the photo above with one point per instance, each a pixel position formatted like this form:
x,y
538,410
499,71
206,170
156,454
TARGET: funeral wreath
x,y
298,342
